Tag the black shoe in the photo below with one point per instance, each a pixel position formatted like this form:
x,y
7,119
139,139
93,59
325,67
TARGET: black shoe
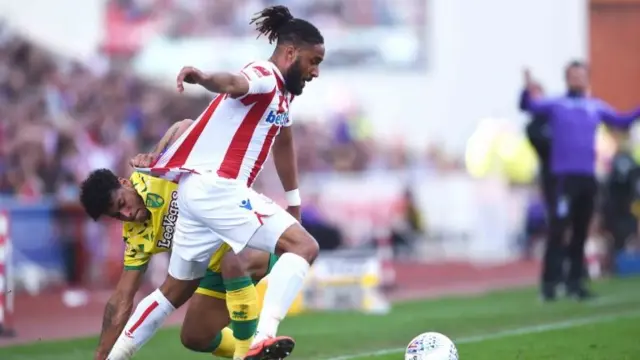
x,y
579,292
276,348
548,293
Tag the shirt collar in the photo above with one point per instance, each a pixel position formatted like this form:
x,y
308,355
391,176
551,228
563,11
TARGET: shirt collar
x,y
279,77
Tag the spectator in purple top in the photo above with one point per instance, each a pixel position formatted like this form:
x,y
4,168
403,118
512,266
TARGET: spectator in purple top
x,y
573,121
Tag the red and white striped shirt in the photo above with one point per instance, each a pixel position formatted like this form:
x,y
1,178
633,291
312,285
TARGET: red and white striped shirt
x,y
232,136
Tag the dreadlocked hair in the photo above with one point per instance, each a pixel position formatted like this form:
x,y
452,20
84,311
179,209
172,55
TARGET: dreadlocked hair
x,y
277,24
96,191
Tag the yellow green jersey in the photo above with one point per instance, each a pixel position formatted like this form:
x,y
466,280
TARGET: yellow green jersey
x,y
143,240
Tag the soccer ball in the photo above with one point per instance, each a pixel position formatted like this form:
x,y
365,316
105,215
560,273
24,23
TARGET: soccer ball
x,y
431,346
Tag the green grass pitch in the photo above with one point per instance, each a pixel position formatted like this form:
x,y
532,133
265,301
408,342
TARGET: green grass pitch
x,y
500,325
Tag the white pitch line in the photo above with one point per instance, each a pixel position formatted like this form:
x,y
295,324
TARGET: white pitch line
x,y
577,322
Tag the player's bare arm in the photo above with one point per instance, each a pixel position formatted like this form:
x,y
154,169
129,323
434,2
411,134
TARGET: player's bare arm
x,y
284,157
220,82
117,311
169,137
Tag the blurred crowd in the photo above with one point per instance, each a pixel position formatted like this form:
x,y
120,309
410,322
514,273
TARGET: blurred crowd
x,y
355,28
60,119
185,18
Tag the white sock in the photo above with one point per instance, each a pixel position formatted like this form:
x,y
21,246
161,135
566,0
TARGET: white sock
x,y
285,282
147,318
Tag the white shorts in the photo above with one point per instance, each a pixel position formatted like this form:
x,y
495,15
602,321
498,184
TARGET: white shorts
x,y
213,210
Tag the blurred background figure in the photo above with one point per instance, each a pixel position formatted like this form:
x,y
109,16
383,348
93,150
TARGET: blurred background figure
x,y
327,235
408,228
620,195
419,176
573,122
539,135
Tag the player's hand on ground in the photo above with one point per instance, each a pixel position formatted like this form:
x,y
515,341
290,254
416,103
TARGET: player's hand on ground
x,y
189,75
295,212
142,160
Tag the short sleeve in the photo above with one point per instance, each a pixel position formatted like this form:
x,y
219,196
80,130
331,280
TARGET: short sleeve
x,y
261,78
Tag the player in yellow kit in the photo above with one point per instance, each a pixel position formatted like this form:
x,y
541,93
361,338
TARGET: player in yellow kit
x,y
147,205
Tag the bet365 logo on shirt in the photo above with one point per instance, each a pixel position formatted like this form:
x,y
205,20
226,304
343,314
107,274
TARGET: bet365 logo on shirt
x,y
278,119
169,222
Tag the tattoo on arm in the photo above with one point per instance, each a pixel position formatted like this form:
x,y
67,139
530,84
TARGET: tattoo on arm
x,y
164,143
107,319
116,314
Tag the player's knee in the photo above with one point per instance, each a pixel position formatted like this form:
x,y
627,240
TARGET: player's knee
x,y
193,341
311,249
255,262
178,291
298,241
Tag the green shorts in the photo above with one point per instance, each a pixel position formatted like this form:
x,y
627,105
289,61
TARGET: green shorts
x,y
213,285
